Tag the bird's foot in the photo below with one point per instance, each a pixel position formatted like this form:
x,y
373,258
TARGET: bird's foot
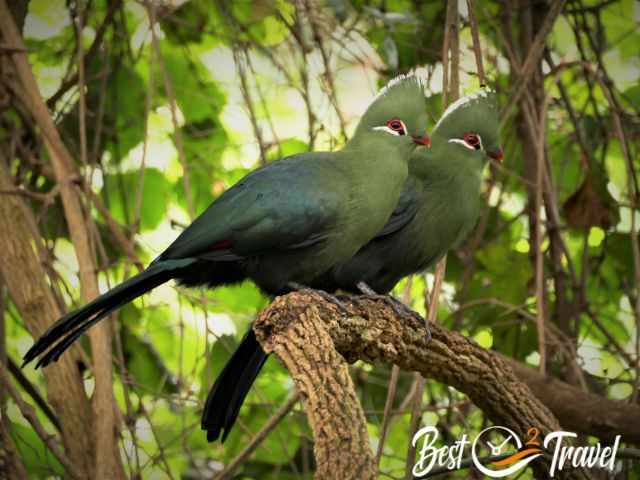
x,y
399,308
325,295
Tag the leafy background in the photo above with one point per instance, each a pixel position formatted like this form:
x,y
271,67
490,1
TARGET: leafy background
x,y
177,112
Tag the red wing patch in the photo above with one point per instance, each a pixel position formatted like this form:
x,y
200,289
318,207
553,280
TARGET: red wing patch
x,y
221,245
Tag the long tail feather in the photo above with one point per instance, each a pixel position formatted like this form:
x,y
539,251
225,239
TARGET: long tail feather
x,y
231,388
66,330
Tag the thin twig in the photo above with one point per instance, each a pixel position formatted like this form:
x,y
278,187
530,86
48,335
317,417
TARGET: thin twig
x,y
539,256
168,87
477,49
248,101
260,436
450,92
386,417
28,387
393,384
535,52
29,413
95,45
328,71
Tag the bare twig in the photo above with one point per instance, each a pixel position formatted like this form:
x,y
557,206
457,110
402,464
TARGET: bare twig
x,y
109,465
255,441
477,49
393,383
248,101
386,417
531,62
539,265
72,81
168,87
328,71
32,391
450,92
29,413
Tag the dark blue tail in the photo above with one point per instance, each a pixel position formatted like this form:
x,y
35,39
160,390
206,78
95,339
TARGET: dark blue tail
x,y
231,388
66,330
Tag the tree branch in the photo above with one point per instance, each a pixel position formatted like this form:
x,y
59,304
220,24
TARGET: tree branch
x,y
533,58
72,81
107,456
30,414
303,330
26,385
25,278
305,347
257,439
580,411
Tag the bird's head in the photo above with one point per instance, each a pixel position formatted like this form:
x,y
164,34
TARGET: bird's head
x,y
470,127
397,114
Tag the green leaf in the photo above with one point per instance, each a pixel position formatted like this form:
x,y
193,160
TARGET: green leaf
x,y
218,356
37,459
204,143
145,365
120,190
196,95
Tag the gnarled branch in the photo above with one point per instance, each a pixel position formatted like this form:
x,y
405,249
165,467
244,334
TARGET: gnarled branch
x,y
306,333
339,427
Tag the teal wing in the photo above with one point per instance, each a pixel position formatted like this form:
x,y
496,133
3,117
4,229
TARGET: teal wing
x,y
288,204
403,214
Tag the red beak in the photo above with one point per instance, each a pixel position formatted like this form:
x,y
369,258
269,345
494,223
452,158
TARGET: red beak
x,y
497,155
424,140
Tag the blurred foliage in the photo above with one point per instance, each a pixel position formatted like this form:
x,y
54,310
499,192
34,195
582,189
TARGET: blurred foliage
x,y
170,125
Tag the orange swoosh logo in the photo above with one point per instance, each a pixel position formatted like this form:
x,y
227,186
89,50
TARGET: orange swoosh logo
x,y
516,456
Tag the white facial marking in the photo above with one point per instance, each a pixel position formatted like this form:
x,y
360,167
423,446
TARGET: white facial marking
x,y
387,129
461,142
470,147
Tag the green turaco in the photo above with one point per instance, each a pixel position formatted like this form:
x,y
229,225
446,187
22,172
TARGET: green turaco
x,y
438,207
439,204
283,224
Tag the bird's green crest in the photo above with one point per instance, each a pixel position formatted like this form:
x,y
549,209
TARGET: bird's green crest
x,y
402,98
473,113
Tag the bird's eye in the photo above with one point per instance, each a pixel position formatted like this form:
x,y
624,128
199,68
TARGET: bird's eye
x,y
473,140
397,126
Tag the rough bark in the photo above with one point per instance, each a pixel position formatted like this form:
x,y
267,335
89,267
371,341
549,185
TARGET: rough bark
x,y
580,411
373,332
107,461
11,465
25,278
339,427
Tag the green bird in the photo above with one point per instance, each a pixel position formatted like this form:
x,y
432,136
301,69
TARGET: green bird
x,y
438,207
284,224
439,204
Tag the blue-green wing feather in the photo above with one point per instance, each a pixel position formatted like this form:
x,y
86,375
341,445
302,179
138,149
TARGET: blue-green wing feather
x,y
277,207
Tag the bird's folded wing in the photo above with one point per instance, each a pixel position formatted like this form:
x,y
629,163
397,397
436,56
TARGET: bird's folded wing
x,y
404,212
282,206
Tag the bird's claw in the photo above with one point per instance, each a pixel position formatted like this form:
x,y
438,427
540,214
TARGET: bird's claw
x,y
325,295
398,307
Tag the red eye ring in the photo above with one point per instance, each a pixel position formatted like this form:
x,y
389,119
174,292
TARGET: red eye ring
x,y
397,125
473,140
